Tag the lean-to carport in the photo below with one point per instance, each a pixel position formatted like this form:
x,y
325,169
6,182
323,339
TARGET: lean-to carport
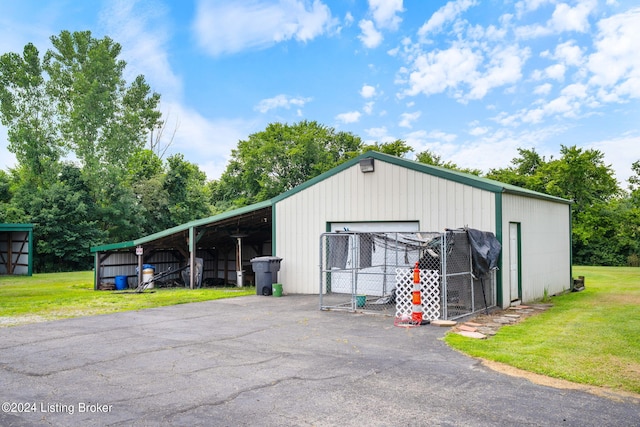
x,y
222,241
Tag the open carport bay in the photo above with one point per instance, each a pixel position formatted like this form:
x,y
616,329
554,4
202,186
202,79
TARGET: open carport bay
x,y
268,361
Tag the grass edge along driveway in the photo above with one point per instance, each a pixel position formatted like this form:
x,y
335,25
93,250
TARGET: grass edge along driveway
x,y
51,296
590,337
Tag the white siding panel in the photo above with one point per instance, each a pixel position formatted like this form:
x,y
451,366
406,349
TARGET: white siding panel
x,y
391,193
545,244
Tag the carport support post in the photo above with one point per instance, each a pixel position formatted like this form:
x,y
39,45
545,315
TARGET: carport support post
x,y
239,272
192,256
139,252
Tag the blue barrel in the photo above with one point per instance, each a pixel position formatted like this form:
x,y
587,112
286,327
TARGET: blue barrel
x,y
121,283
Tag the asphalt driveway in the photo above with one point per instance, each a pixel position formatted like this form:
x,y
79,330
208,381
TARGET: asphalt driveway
x,y
265,361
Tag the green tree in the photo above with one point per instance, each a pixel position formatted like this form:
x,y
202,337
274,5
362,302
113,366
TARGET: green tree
x,y
280,158
29,115
63,215
634,182
581,176
188,196
599,209
104,120
523,171
430,158
398,148
76,100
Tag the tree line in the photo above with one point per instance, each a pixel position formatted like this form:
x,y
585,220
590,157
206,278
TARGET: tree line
x,y
74,103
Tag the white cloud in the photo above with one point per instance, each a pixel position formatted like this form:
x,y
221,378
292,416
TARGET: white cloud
x,y
543,89
478,130
615,65
445,14
379,133
407,118
223,27
385,13
505,67
370,37
367,91
368,107
200,138
529,6
567,18
564,18
569,54
349,117
555,71
461,69
143,33
620,153
438,70
280,101
348,19
576,90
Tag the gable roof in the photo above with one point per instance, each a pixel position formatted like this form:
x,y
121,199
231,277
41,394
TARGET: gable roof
x,y
440,172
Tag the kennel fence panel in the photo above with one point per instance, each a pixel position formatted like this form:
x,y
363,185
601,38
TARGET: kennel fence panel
x,y
359,272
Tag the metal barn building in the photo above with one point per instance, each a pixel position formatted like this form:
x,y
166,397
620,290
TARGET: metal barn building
x,y
370,193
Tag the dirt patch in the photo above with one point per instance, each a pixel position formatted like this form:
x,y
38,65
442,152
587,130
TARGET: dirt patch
x,y
618,395
6,321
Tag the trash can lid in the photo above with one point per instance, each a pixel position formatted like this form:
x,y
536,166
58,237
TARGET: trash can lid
x,y
266,259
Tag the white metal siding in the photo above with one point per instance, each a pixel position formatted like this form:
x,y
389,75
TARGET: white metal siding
x,y
545,244
391,193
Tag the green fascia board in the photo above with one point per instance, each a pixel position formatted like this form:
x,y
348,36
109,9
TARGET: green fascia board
x,y
16,227
183,227
440,172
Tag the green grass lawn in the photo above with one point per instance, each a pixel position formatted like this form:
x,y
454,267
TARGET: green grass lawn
x,y
52,296
589,337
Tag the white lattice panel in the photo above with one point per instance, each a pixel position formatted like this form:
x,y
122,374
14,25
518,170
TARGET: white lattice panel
x,y
429,293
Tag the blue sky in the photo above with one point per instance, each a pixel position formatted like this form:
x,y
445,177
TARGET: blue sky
x,y
471,81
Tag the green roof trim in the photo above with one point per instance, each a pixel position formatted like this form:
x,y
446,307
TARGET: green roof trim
x,y
183,227
16,227
440,172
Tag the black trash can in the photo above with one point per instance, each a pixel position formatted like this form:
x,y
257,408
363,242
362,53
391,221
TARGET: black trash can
x,y
266,269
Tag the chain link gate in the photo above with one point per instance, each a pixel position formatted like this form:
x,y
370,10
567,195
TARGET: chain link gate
x,y
371,272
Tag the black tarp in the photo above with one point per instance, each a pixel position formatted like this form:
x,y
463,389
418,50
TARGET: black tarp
x,y
485,250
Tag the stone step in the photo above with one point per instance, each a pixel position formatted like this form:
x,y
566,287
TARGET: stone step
x,y
444,323
476,335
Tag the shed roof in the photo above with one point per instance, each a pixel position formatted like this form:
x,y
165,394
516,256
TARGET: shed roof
x,y
223,223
